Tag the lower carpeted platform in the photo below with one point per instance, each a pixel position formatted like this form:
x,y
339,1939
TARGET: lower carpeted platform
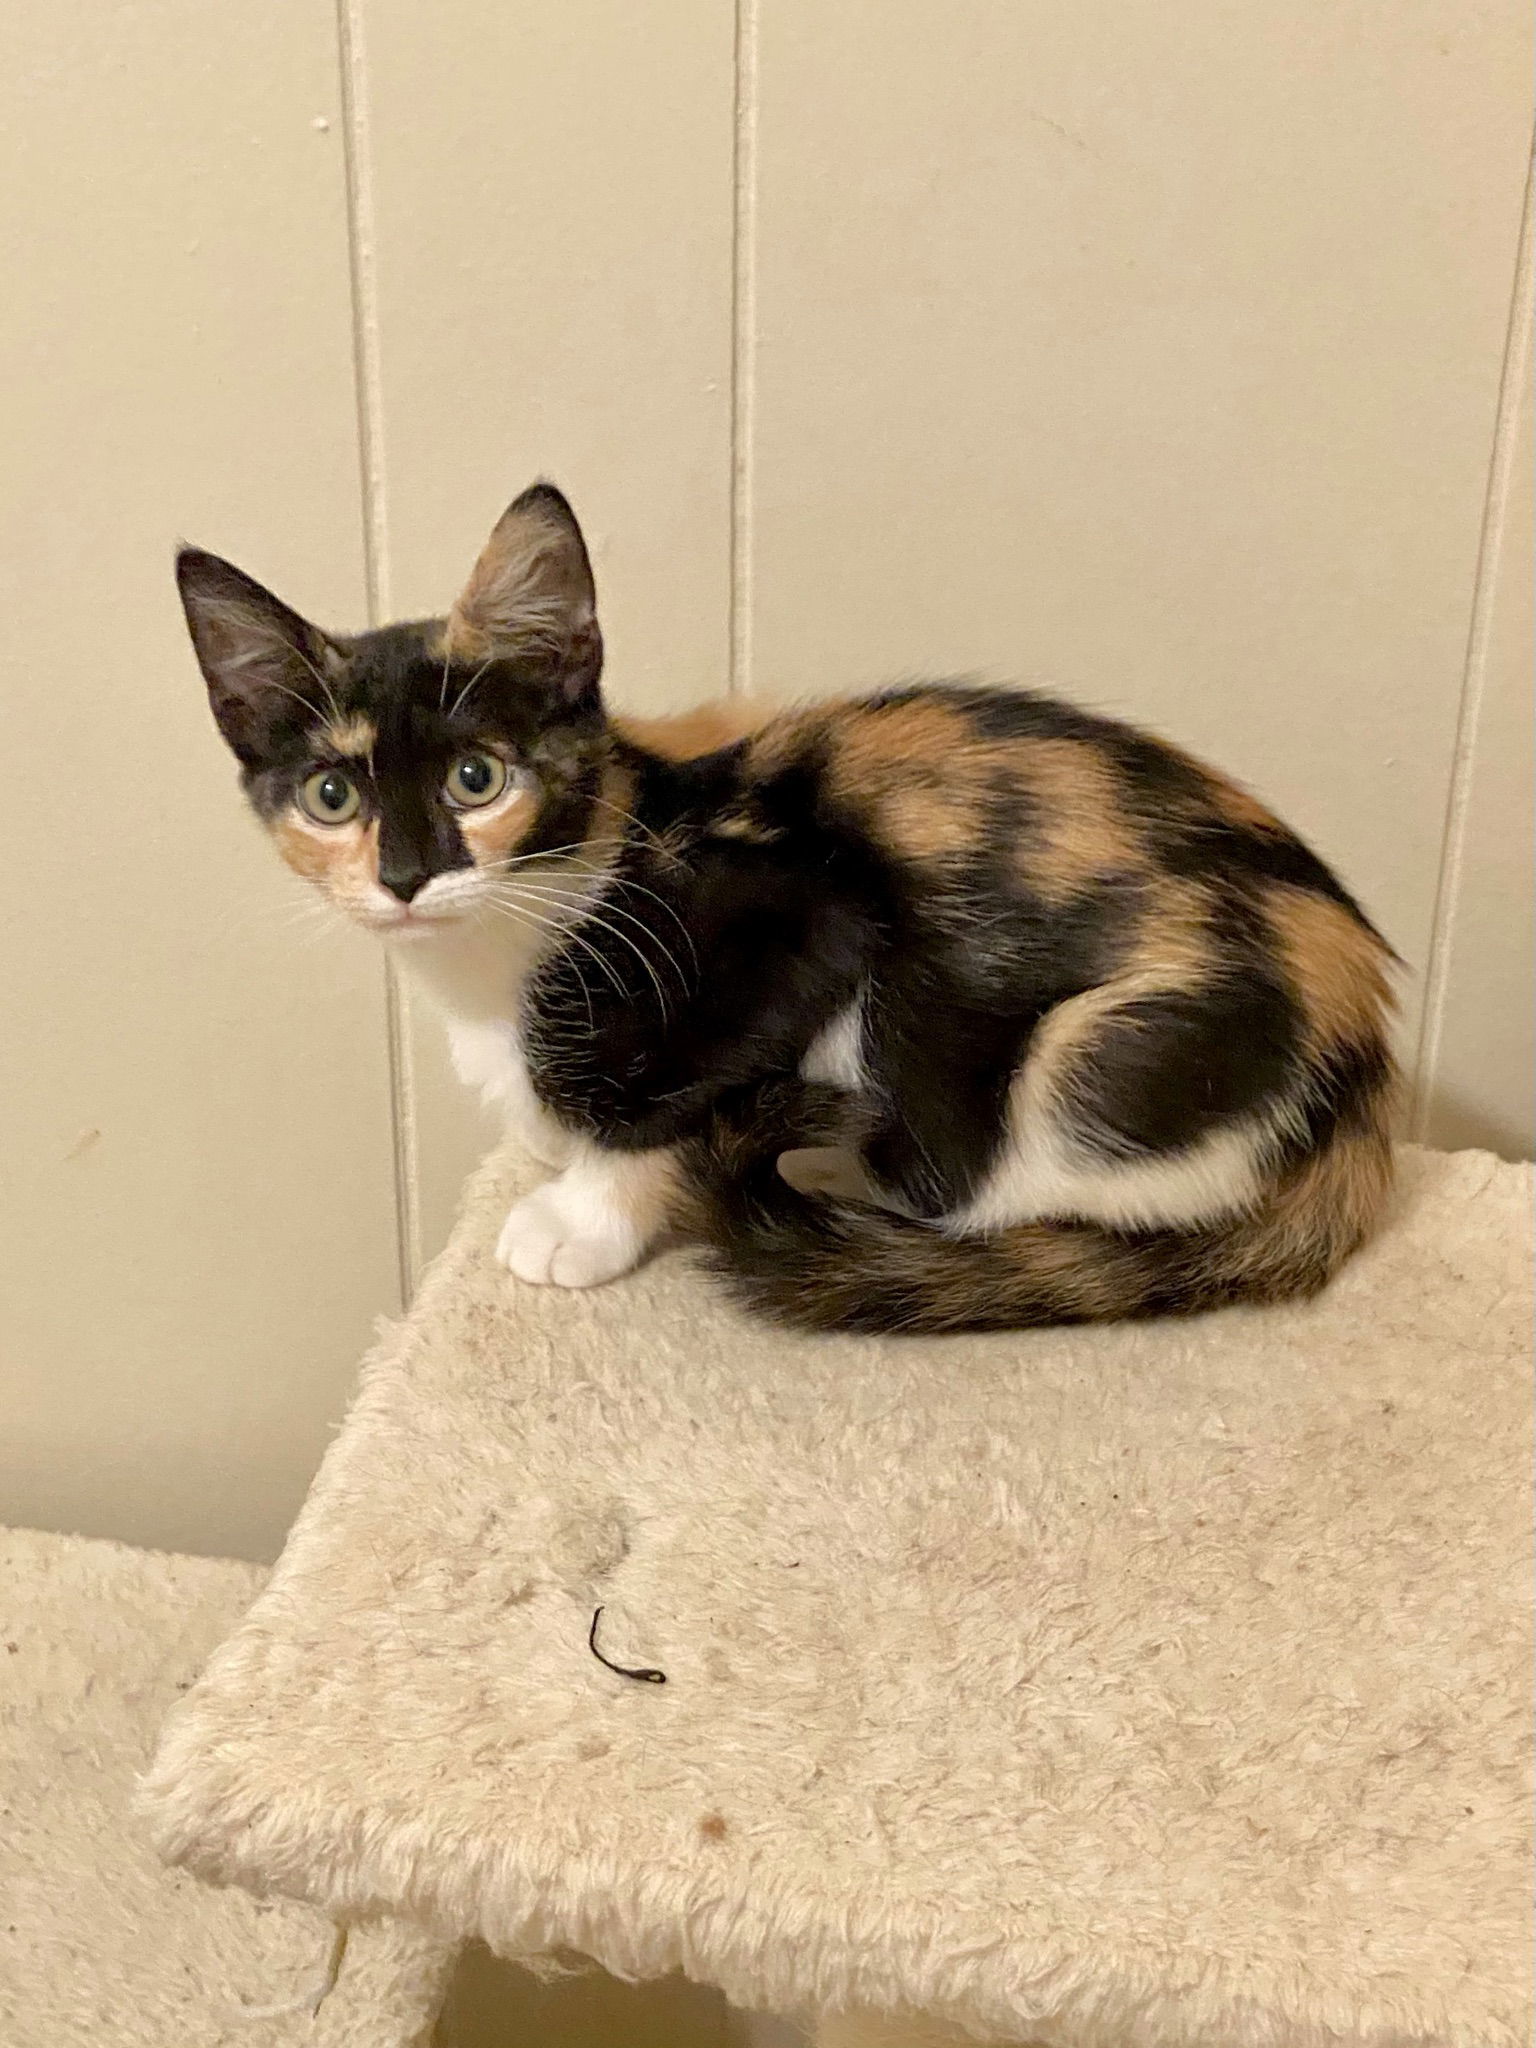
x,y
1157,1685
100,1945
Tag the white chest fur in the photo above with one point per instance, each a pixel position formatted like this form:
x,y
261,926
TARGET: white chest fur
x,y
474,979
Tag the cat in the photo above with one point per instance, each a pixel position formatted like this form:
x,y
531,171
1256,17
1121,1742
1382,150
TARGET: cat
x,y
947,1007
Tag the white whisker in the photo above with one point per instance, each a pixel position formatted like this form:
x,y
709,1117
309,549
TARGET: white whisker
x,y
513,860
532,921
598,914
591,916
563,931
626,882
309,705
330,695
479,672
662,848
630,819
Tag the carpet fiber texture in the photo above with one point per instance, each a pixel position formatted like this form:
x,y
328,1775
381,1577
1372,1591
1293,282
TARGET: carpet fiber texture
x,y
100,1945
1162,1685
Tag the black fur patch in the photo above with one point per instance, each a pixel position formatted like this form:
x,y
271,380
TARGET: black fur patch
x,y
698,974
1167,1070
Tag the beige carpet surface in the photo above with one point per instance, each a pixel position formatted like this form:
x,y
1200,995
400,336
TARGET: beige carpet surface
x,y
100,1945
1164,1685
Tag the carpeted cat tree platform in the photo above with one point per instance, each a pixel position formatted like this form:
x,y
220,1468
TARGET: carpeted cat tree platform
x,y
1163,1686
100,1945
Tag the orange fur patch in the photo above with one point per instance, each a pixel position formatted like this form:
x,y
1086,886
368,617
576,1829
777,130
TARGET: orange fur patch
x,y
1081,831
1325,1210
341,859
495,833
355,737
615,806
1336,966
743,823
1240,807
875,740
704,729
457,640
1090,1276
650,1191
918,772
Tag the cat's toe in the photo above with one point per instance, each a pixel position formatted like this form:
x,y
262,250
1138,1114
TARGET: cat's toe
x,y
589,1261
528,1238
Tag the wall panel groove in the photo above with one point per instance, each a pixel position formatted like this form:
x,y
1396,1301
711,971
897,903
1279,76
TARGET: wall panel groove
x,y
374,504
1499,559
743,337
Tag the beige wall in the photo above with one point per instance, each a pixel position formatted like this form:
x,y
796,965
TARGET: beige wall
x,y
1166,354
196,1189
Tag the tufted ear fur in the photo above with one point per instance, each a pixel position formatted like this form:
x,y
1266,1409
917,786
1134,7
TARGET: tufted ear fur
x,y
263,664
531,598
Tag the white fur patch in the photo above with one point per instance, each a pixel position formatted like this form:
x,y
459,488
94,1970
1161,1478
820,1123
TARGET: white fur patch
x,y
836,1054
474,975
1041,1174
489,1058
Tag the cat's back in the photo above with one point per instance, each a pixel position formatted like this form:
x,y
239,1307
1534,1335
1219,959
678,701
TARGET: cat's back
x,y
1003,812
1041,794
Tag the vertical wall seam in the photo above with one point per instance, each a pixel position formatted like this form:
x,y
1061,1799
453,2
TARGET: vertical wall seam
x,y
1517,349
368,387
743,339
367,381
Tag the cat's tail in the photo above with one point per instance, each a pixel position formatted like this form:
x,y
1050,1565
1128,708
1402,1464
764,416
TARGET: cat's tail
x,y
815,1262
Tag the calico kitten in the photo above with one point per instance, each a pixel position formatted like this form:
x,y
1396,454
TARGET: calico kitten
x,y
944,1008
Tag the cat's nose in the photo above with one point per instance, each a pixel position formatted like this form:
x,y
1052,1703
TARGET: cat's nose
x,y
402,878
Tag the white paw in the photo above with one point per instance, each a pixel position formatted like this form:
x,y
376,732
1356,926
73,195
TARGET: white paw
x,y
557,1237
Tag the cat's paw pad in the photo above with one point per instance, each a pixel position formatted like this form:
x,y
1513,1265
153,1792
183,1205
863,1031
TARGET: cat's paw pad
x,y
828,1170
554,1239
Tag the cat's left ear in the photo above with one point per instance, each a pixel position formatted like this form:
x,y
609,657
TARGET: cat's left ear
x,y
531,597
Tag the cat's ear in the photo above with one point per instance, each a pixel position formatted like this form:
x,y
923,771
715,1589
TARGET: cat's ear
x,y
263,664
531,598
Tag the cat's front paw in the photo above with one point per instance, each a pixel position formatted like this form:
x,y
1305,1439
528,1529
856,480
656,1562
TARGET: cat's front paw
x,y
559,1237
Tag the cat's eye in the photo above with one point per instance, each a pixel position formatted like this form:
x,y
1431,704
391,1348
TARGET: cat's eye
x,y
329,797
475,779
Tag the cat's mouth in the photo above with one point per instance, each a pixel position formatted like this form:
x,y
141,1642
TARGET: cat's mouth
x,y
444,902
410,920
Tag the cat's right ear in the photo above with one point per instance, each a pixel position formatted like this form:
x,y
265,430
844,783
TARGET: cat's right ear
x,y
531,598
264,666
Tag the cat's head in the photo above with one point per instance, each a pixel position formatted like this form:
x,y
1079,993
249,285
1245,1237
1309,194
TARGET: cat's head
x,y
405,771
